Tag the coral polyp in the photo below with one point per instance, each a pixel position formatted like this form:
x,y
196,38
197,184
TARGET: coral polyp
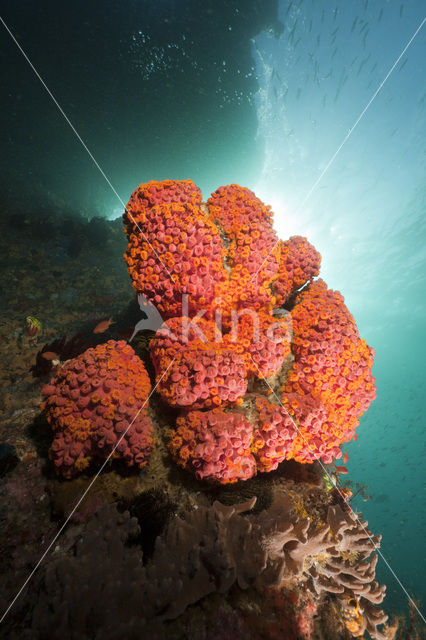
x,y
90,404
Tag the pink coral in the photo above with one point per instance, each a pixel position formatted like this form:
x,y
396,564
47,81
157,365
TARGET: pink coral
x,y
176,251
221,255
193,369
214,445
196,367
154,193
262,340
331,376
224,260
253,250
92,401
299,263
273,437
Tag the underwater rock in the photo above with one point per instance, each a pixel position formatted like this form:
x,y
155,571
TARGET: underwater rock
x,y
208,551
8,458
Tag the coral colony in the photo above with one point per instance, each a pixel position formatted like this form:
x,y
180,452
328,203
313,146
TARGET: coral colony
x,y
262,364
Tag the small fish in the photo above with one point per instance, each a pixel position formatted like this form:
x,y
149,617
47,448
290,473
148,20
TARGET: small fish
x,y
288,9
337,93
103,326
345,457
50,355
403,64
33,326
292,32
364,42
340,469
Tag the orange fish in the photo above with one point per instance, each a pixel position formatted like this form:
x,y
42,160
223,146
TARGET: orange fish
x,y
355,437
345,457
50,355
340,469
103,326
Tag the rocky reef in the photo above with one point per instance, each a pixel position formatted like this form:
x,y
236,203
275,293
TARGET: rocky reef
x,y
191,466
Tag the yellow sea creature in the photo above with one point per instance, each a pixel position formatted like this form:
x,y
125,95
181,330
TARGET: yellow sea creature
x,y
33,326
352,615
329,480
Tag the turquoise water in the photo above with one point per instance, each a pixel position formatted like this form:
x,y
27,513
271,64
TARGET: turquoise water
x,y
281,98
366,215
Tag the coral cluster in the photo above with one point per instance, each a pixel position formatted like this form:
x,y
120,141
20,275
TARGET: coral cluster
x,y
221,265
193,368
253,249
273,437
227,445
222,255
330,384
299,263
217,273
260,364
90,404
197,367
214,445
174,249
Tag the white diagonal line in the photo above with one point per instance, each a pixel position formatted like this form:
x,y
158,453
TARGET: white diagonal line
x,y
333,157
353,515
81,498
96,163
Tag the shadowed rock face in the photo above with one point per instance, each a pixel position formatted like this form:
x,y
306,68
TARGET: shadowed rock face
x,y
208,551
